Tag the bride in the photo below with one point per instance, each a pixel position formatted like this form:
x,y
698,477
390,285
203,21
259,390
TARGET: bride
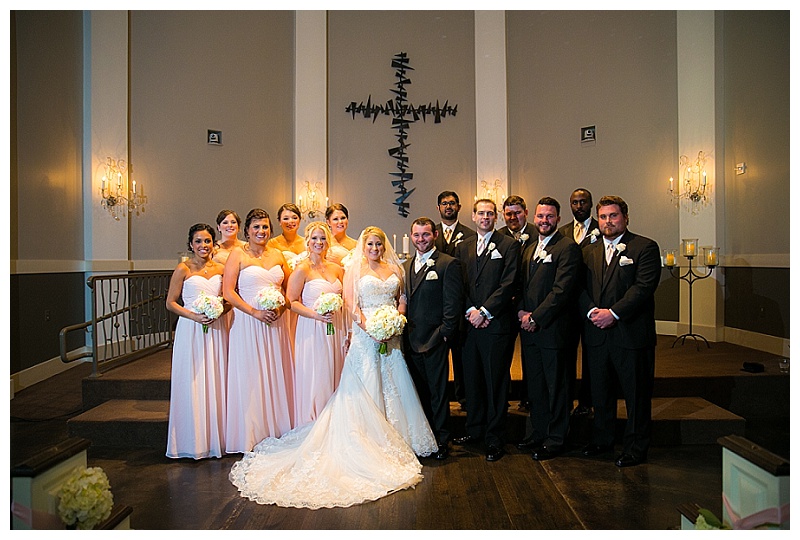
x,y
365,442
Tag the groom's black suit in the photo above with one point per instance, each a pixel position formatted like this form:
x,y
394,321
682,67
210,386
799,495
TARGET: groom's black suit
x,y
489,283
434,311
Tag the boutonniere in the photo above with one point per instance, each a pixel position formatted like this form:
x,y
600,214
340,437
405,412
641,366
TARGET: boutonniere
x,y
523,238
429,263
621,247
459,235
491,246
431,275
594,234
543,254
625,261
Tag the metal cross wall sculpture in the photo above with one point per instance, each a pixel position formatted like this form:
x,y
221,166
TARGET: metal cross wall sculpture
x,y
403,114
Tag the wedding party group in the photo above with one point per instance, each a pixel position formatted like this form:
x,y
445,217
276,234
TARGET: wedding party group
x,y
324,359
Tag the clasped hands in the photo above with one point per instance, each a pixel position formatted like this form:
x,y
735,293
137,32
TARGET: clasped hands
x,y
268,316
526,322
602,318
477,319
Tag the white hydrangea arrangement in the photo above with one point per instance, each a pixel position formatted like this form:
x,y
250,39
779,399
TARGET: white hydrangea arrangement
x,y
85,498
209,305
327,303
385,323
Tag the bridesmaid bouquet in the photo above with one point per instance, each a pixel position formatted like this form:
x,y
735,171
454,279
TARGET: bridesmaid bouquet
x,y
385,323
270,297
210,306
85,499
326,303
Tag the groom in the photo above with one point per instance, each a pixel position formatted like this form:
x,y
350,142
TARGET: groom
x,y
433,289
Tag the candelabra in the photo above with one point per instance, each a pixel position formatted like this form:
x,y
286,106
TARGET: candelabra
x,y
310,207
689,250
115,195
693,190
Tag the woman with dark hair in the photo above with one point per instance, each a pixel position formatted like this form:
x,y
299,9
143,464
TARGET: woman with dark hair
x,y
289,242
337,218
260,376
228,223
199,353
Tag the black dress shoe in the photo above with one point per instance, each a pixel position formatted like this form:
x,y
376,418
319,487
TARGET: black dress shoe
x,y
493,453
628,460
581,410
443,452
465,439
547,452
596,449
529,444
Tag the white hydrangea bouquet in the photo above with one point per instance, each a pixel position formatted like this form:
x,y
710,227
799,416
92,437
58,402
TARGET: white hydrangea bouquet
x,y
270,297
327,303
85,498
209,305
385,323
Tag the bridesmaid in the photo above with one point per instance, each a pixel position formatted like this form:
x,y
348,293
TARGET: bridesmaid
x,y
260,376
228,224
319,357
199,356
336,216
289,242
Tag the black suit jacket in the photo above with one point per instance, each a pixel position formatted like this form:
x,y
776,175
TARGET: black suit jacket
x,y
547,291
435,301
627,289
489,282
568,230
450,248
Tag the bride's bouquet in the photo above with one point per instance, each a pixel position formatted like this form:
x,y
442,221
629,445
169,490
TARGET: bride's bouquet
x,y
385,323
270,297
327,303
209,305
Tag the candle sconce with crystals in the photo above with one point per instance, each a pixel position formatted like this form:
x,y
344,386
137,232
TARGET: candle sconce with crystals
x,y
690,251
116,194
693,190
493,192
309,202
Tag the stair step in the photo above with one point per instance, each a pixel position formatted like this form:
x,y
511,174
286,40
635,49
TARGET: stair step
x,y
124,423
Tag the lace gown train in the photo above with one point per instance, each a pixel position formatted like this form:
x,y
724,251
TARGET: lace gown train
x,y
365,442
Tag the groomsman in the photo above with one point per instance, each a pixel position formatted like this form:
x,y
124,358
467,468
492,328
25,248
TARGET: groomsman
x,y
621,276
548,273
515,213
434,291
490,264
583,230
450,234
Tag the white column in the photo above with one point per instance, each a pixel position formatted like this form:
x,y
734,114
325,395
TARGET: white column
x,y
105,133
491,122
311,108
696,132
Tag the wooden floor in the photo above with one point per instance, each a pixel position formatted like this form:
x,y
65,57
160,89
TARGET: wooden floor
x,y
463,492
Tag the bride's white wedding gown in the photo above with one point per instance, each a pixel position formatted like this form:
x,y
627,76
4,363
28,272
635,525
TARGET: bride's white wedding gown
x,y
365,442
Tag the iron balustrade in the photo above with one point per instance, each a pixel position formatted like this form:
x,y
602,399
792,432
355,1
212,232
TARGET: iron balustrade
x,y
129,319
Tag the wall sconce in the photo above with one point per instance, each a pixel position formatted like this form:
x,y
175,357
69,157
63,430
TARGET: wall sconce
x,y
115,195
310,204
693,188
740,168
492,192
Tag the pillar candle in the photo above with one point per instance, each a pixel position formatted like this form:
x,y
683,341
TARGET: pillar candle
x,y
405,243
670,259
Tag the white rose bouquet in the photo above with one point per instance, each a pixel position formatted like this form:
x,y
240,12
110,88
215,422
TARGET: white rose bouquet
x,y
385,323
85,498
208,305
327,303
270,297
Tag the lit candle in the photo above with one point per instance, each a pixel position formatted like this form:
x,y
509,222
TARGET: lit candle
x,y
711,258
134,187
690,249
671,184
670,259
103,183
394,242
405,243
704,177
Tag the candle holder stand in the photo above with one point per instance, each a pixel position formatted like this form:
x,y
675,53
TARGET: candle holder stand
x,y
690,277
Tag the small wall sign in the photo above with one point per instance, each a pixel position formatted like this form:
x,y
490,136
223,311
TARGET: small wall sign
x,y
588,134
214,137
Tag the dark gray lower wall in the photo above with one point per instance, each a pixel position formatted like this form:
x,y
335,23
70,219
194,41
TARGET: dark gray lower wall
x,y
757,300
41,305
668,307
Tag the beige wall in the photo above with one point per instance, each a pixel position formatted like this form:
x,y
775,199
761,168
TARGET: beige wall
x,y
192,71
756,131
361,45
615,70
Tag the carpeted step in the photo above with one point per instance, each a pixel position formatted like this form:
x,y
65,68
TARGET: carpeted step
x,y
124,422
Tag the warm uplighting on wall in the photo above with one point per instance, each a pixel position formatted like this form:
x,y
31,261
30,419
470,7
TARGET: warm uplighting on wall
x,y
116,194
692,190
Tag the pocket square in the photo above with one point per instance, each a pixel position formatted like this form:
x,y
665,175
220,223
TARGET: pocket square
x,y
625,261
431,275
548,259
496,255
